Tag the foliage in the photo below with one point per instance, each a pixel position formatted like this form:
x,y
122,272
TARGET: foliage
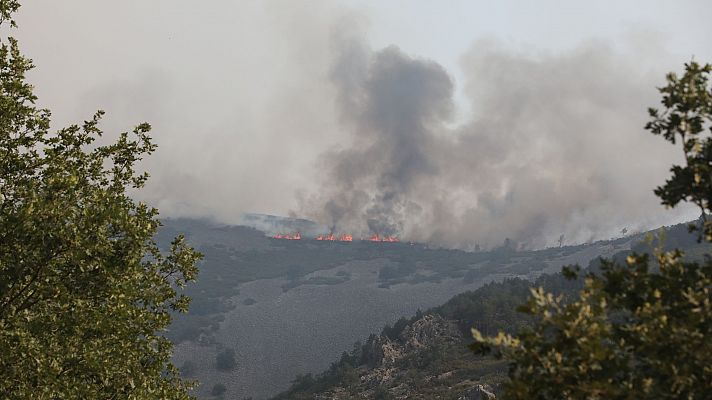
x,y
84,290
302,382
687,117
491,307
639,329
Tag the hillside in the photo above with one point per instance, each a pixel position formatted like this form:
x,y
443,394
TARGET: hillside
x,y
273,302
427,356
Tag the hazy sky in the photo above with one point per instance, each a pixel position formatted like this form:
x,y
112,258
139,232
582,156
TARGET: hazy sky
x,y
452,121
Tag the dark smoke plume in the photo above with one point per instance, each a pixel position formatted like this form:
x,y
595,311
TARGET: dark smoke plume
x,y
553,146
272,98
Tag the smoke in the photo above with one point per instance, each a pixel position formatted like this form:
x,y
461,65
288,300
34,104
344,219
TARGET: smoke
x,y
237,93
553,146
252,102
390,102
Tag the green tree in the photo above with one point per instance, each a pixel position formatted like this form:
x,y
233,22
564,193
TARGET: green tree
x,y
84,289
640,329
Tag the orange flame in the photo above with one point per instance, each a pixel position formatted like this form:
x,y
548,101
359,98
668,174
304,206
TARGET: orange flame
x,y
346,237
330,237
389,239
296,236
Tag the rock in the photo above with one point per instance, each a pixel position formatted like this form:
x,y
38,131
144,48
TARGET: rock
x,y
377,377
387,366
479,392
392,352
444,375
382,351
424,331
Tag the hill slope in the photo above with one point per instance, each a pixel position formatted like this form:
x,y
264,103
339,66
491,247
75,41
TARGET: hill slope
x,y
292,307
426,356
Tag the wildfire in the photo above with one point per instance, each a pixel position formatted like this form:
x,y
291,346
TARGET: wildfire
x,y
346,237
330,237
389,239
296,236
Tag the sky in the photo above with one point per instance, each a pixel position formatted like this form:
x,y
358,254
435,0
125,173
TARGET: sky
x,y
455,123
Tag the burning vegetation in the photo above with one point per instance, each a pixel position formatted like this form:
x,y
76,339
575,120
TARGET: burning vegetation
x,y
296,236
332,237
390,239
346,237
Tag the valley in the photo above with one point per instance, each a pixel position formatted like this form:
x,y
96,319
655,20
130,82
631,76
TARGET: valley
x,y
292,307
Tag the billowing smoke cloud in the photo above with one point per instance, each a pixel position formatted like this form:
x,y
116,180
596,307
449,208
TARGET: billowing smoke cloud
x,y
391,102
553,146
237,93
252,102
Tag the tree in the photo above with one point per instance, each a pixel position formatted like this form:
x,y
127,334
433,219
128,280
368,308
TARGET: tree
x,y
640,329
84,289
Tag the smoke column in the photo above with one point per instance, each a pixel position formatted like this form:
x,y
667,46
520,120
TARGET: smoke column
x,y
553,145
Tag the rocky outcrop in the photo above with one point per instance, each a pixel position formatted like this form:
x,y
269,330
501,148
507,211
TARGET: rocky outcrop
x,y
408,368
426,330
479,392
382,351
